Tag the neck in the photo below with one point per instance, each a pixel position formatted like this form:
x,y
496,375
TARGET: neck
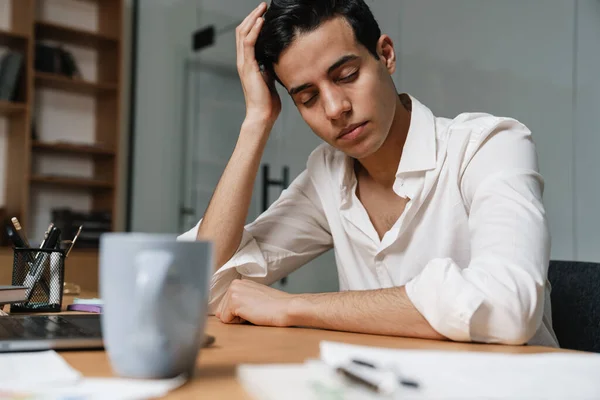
x,y
382,165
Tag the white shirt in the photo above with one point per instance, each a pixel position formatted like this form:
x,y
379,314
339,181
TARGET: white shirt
x,y
472,245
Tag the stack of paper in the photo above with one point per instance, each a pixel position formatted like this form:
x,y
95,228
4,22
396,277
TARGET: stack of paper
x,y
311,380
107,388
46,375
440,375
24,371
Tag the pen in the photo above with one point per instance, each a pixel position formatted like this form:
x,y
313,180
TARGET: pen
x,y
46,235
20,231
380,381
74,240
45,286
402,381
17,240
354,377
36,270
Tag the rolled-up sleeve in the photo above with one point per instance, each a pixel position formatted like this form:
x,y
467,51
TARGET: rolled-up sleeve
x,y
292,232
499,296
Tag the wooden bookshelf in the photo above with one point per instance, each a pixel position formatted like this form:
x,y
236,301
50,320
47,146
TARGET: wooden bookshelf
x,y
26,27
45,30
72,148
58,82
70,182
9,107
12,39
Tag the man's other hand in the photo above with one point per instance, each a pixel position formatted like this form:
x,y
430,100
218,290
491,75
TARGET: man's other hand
x,y
256,303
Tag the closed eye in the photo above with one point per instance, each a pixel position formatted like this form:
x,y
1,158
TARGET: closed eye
x,y
348,78
309,101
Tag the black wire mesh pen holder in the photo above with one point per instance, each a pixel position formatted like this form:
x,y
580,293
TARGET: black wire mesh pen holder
x,y
42,271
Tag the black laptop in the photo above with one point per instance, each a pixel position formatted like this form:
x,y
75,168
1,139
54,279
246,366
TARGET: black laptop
x,y
43,332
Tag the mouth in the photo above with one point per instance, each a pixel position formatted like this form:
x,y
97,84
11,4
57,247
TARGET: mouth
x,y
351,131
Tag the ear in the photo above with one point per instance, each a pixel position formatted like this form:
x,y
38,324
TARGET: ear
x,y
386,52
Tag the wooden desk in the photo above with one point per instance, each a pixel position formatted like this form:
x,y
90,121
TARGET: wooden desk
x,y
235,344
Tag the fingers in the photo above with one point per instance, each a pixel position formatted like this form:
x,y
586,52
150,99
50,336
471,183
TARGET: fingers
x,y
250,40
222,303
247,25
249,21
227,308
228,316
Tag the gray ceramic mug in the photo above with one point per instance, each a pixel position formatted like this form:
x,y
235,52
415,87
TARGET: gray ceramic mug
x,y
155,293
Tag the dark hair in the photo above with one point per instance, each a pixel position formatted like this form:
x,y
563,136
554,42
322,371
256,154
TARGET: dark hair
x,y
285,19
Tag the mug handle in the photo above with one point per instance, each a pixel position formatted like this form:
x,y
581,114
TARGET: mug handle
x,y
152,267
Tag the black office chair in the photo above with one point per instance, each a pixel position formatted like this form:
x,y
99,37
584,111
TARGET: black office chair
x,y
576,304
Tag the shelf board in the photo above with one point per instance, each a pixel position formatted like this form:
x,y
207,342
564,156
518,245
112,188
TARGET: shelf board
x,y
59,82
45,30
69,182
12,39
11,107
72,148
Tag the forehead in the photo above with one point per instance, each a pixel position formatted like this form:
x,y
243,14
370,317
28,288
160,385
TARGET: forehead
x,y
311,54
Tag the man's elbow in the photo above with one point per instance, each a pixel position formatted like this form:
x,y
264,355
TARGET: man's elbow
x,y
511,324
519,333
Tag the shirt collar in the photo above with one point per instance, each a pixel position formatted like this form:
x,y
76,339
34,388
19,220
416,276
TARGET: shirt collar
x,y
419,153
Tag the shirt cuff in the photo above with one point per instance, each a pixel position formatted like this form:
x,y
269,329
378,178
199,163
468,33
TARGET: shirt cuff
x,y
445,299
190,235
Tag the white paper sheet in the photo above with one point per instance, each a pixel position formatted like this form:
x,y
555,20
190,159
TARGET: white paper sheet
x,y
110,388
452,375
313,380
33,369
46,375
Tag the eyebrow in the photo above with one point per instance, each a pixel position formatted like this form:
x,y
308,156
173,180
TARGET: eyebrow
x,y
343,60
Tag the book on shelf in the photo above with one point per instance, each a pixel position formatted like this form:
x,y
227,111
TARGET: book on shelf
x,y
10,71
95,223
55,60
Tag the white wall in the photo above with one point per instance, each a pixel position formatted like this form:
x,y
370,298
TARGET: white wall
x,y
164,36
587,132
534,60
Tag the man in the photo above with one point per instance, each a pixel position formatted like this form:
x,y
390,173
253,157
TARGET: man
x,y
438,225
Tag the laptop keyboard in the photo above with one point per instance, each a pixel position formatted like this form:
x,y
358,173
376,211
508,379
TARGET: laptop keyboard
x,y
41,327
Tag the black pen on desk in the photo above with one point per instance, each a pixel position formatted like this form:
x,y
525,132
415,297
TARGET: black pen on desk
x,y
379,381
357,378
402,381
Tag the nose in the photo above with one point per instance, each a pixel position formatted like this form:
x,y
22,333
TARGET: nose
x,y
336,103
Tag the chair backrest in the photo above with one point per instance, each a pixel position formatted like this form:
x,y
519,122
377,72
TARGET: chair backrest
x,y
576,304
